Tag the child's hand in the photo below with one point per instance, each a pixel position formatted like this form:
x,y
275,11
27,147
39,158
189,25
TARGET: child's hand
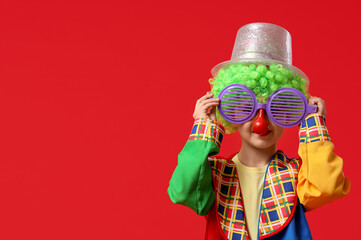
x,y
321,107
206,107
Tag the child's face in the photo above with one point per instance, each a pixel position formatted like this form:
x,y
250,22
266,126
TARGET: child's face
x,y
249,137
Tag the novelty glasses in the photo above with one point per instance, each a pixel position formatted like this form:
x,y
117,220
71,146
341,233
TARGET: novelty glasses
x,y
286,107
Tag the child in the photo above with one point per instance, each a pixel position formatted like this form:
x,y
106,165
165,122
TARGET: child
x,y
258,193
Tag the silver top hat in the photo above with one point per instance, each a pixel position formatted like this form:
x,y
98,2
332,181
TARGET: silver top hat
x,y
262,43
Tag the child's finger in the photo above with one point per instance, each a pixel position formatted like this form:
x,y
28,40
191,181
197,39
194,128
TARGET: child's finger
x,y
212,113
208,95
313,100
321,109
210,104
210,100
213,100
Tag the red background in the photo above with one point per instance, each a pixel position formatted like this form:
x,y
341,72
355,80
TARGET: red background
x,y
97,100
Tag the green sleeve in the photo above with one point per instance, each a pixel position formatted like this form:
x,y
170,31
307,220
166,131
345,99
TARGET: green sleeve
x,y
191,182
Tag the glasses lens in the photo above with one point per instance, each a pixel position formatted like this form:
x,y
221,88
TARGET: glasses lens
x,y
237,103
287,107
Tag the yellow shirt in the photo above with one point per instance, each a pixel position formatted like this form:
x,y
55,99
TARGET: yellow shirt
x,y
251,180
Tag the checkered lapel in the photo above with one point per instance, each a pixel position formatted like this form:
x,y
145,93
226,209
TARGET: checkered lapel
x,y
278,200
279,197
229,205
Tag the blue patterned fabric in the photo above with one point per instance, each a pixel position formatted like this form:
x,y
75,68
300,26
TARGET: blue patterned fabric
x,y
314,129
279,198
208,130
279,194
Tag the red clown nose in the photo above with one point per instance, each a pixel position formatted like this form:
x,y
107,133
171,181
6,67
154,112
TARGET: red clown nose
x,y
260,125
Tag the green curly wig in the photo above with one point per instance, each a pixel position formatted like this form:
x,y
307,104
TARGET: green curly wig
x,y
262,79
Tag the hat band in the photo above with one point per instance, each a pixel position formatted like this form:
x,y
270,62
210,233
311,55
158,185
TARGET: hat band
x,y
261,55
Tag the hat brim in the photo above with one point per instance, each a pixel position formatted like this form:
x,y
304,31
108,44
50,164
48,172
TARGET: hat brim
x,y
215,69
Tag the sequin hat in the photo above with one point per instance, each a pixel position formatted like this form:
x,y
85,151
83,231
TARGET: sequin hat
x,y
262,43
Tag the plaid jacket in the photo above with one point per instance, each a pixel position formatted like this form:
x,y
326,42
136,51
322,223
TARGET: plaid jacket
x,y
279,201
209,185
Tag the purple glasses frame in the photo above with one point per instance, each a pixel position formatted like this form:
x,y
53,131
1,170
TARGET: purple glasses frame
x,y
286,107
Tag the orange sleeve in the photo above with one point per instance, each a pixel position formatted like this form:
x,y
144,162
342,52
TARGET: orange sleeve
x,y
321,179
